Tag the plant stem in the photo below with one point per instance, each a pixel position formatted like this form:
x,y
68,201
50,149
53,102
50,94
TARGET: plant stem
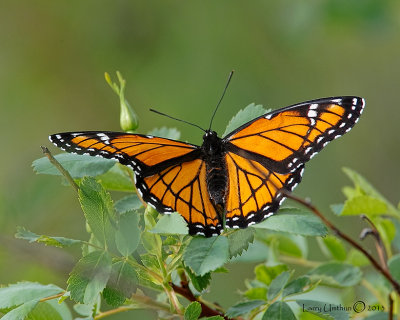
x,y
345,237
52,297
60,168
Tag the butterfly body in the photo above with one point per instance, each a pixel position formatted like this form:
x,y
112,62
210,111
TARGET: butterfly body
x,y
235,181
213,150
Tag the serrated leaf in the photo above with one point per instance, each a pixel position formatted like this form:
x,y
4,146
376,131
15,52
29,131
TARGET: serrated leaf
x,y
256,252
277,284
266,274
295,221
245,115
299,285
98,209
192,311
128,203
203,255
364,205
60,242
199,282
89,277
121,284
171,224
128,234
117,179
78,166
337,274
324,310
164,132
239,241
279,310
333,248
394,267
243,308
21,292
21,312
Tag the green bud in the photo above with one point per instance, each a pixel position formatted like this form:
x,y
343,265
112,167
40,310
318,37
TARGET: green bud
x,y
128,119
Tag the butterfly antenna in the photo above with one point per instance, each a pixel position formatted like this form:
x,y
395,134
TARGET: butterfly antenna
x,y
223,93
166,115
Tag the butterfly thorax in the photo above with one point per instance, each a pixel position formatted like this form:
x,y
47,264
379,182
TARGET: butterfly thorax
x,y
213,154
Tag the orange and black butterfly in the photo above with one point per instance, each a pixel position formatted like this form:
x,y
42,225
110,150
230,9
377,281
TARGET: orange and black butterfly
x,y
231,182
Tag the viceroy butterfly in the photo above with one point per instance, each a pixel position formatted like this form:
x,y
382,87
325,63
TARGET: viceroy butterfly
x,y
232,182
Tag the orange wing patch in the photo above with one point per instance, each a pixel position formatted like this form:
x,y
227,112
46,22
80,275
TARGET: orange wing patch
x,y
254,192
290,137
183,188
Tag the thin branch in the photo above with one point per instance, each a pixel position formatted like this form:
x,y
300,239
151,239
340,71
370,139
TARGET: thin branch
x,y
59,167
185,291
345,237
52,297
390,307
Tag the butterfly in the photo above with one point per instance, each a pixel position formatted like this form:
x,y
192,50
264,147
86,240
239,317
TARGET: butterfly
x,y
230,182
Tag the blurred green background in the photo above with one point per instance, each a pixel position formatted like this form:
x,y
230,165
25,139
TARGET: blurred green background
x,y
176,56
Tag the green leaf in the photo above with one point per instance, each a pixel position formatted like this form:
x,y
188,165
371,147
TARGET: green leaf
x,y
48,310
332,247
121,284
203,255
200,283
171,224
360,182
243,308
98,209
192,311
21,312
259,293
324,310
256,252
337,274
286,243
266,274
164,132
394,267
386,229
128,203
128,234
356,258
21,292
213,318
337,208
279,310
89,277
295,221
245,115
277,285
117,179
299,285
78,166
60,242
239,241
364,205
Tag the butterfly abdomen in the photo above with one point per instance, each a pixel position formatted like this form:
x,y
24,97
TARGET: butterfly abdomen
x,y
213,155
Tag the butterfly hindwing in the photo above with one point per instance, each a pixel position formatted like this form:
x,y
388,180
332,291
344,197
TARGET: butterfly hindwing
x,y
182,188
286,138
254,192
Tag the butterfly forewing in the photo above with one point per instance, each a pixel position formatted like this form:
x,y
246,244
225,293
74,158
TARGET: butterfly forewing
x,y
286,138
